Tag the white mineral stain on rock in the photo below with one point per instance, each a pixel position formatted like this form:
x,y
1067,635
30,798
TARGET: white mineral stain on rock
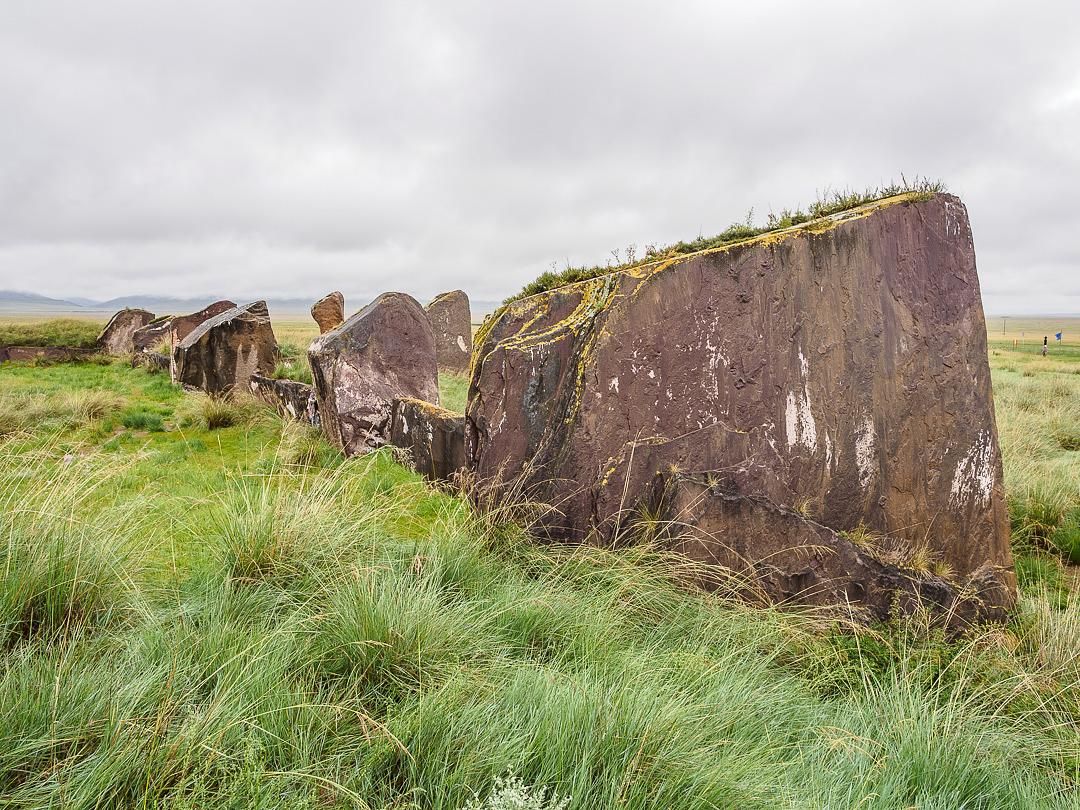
x,y
974,477
461,343
613,384
799,421
865,443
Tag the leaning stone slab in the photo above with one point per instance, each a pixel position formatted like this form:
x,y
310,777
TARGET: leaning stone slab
x,y
451,321
226,350
384,352
772,554
118,336
329,312
180,326
434,437
839,366
290,398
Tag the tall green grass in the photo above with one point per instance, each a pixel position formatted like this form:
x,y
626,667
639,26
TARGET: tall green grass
x,y
358,640
234,616
75,332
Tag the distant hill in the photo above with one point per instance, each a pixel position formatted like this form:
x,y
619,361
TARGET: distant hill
x,y
15,300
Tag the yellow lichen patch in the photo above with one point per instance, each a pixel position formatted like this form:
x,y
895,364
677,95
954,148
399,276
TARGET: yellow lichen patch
x,y
429,408
595,295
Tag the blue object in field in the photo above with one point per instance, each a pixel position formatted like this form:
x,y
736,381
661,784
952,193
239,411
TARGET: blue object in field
x,y
1058,336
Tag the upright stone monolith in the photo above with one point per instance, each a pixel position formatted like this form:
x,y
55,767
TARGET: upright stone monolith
x,y
329,311
384,352
836,370
451,321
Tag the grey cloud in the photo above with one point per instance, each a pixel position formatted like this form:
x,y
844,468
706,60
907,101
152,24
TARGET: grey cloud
x,y
281,148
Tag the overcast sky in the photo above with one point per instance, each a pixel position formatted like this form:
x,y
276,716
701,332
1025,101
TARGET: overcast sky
x,y
272,148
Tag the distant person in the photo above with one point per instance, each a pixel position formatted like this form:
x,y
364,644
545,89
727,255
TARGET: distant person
x,y
1044,345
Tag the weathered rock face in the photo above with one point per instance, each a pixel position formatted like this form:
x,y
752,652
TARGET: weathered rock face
x,y
152,335
118,336
434,436
840,366
291,399
329,311
384,352
226,350
183,325
772,554
171,329
451,321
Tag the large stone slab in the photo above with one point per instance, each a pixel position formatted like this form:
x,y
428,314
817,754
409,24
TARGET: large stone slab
x,y
118,336
451,321
329,311
838,367
384,352
290,398
224,351
434,437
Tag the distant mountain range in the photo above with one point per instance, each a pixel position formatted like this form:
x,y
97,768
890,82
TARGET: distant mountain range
x,y
15,301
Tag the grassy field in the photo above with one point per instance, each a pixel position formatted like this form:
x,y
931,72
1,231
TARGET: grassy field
x,y
202,606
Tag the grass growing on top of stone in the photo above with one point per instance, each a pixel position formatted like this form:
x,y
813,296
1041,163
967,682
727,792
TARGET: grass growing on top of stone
x,y
237,617
833,202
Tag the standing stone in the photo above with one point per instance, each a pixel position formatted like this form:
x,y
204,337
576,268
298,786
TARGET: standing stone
x,y
226,350
329,311
837,369
451,320
434,437
384,352
118,336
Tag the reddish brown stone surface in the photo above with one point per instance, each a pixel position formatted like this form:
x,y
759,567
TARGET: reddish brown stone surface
x,y
384,352
840,366
451,321
171,329
434,437
329,312
223,352
183,325
118,336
